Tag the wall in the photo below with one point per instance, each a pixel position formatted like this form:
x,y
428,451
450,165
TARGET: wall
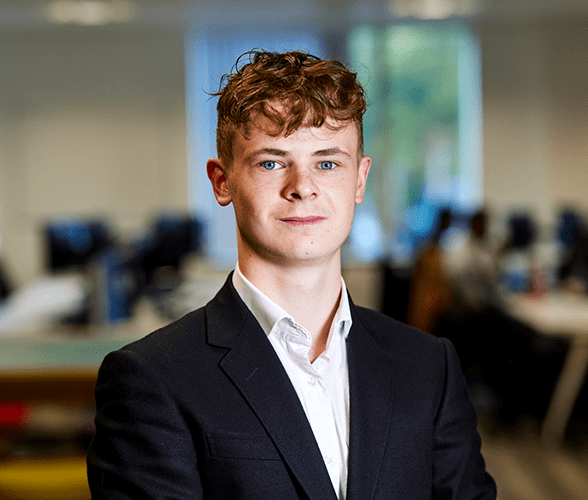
x,y
92,123
535,124
567,57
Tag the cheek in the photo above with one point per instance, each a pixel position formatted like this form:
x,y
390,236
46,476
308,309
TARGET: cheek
x,y
250,209
242,194
342,197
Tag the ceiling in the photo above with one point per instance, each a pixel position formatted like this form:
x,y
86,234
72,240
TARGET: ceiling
x,y
30,14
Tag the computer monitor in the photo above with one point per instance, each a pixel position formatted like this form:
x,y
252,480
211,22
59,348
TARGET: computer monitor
x,y
71,243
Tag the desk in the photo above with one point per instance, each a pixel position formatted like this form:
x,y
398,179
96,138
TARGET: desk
x,y
60,370
59,365
54,370
61,349
566,315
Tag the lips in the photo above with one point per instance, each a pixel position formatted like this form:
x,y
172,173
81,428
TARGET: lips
x,y
303,221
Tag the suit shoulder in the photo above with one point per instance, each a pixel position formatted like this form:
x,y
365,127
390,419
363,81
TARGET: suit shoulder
x,y
175,337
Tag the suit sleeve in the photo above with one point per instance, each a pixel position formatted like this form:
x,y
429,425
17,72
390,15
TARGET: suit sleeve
x,y
142,447
459,469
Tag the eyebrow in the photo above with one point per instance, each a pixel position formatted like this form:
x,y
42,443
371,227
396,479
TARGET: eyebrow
x,y
266,151
280,152
331,152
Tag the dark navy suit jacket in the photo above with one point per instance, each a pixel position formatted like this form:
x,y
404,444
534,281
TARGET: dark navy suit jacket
x,y
203,409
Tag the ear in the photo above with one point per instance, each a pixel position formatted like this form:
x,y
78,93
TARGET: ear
x,y
362,175
219,181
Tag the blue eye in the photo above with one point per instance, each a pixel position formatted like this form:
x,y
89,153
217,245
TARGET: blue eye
x,y
327,165
269,165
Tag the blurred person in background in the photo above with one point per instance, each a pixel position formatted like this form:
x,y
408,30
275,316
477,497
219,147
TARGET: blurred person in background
x,y
473,275
430,291
280,387
474,271
492,346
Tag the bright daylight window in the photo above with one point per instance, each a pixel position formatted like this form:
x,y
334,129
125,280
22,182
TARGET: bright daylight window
x,y
422,128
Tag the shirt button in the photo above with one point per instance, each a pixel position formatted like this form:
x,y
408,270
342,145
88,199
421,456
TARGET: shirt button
x,y
312,381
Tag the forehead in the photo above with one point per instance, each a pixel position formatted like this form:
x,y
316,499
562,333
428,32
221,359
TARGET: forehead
x,y
261,131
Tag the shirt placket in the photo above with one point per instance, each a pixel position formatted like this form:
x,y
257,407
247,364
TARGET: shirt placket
x,y
316,400
320,410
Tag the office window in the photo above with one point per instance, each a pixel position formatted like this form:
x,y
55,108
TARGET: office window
x,y
422,129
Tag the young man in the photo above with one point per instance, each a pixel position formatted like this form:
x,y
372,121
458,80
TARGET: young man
x,y
281,388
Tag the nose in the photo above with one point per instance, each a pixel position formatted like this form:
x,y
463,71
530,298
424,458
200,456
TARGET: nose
x,y
300,184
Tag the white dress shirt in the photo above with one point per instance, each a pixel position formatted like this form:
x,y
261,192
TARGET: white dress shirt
x,y
322,386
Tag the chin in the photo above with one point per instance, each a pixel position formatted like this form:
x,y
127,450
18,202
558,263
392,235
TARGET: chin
x,y
305,257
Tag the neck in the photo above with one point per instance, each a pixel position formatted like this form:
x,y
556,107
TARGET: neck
x,y
310,293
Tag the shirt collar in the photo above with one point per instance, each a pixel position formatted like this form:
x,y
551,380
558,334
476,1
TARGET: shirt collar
x,y
268,313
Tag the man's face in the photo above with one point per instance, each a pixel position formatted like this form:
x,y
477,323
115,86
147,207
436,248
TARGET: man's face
x,y
294,197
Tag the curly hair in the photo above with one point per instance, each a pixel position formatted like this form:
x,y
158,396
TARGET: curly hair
x,y
292,90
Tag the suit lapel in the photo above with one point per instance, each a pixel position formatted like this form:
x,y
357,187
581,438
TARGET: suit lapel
x,y
257,372
371,386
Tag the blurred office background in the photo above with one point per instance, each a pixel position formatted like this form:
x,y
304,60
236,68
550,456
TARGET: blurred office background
x,y
108,227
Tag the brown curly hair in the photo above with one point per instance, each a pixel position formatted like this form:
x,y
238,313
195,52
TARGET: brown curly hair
x,y
306,89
